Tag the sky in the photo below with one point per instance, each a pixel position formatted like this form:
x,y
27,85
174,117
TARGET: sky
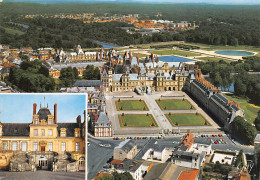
x,y
18,108
148,1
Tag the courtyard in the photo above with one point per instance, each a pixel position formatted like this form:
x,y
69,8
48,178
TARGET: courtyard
x,y
137,120
131,105
175,104
137,125
185,119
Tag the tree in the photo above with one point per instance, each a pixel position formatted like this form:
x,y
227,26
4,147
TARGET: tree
x,y
239,160
243,130
91,73
67,76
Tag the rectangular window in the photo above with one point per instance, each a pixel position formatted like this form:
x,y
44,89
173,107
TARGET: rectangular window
x,y
14,146
35,146
50,121
36,120
24,146
35,132
50,132
50,146
63,147
43,132
77,146
5,146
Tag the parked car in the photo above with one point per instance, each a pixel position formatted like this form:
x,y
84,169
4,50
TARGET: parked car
x,y
213,135
215,142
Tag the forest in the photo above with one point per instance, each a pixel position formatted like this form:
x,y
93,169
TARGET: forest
x,y
218,24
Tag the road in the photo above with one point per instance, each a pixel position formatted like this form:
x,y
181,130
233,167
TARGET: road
x,y
41,174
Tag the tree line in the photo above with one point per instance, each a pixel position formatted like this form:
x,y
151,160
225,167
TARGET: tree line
x,y
218,25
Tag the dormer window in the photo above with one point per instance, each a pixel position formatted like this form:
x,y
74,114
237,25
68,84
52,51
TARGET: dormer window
x,y
36,120
63,132
77,132
50,121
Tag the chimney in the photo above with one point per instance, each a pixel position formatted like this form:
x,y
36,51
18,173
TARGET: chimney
x,y
135,163
157,59
152,57
228,101
121,165
131,167
34,108
199,73
85,116
55,113
138,60
197,66
79,120
238,106
216,91
195,73
219,91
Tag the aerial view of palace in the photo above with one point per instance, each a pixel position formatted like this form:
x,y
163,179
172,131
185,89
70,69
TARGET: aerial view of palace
x,y
130,90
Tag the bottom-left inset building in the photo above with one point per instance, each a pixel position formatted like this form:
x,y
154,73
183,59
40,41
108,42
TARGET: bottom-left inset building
x,y
42,136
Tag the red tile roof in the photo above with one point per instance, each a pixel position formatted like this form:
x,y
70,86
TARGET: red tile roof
x,y
189,175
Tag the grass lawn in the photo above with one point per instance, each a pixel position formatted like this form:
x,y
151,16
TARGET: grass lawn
x,y
187,120
174,104
131,105
176,52
212,59
249,109
13,31
137,120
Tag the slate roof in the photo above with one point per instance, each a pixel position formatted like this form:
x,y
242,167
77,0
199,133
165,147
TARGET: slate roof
x,y
126,145
185,155
43,113
88,83
69,128
116,77
16,129
130,162
102,119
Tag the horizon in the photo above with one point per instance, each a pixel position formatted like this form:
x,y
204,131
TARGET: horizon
x,y
216,2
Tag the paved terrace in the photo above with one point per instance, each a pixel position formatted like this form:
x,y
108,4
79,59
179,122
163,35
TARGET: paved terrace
x,y
158,114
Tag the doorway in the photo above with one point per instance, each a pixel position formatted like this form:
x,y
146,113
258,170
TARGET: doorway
x,y
42,148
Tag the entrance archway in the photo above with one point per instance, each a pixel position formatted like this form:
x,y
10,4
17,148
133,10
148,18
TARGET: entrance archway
x,y
81,163
43,163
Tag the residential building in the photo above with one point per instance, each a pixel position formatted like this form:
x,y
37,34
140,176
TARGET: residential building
x,y
125,150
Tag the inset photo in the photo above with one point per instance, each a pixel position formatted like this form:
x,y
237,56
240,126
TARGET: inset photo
x,y
42,136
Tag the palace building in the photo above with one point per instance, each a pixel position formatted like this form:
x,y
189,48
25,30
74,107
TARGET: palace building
x,y
44,134
159,76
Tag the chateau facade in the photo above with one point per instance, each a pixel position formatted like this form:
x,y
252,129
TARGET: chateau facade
x,y
159,76
44,134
